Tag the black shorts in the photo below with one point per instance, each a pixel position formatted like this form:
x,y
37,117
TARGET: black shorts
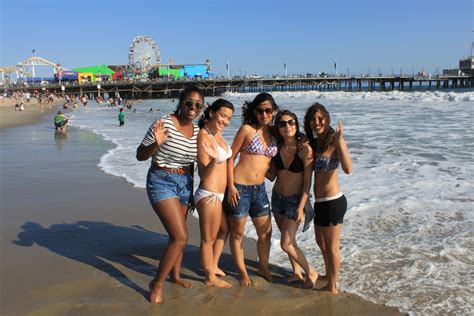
x,y
330,213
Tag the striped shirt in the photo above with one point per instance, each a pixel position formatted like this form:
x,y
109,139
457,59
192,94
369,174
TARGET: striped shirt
x,y
177,151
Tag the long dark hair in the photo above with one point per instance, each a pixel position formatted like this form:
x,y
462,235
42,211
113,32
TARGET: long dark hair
x,y
276,130
321,143
185,94
248,115
214,107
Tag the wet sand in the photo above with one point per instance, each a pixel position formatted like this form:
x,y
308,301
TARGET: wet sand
x,y
76,241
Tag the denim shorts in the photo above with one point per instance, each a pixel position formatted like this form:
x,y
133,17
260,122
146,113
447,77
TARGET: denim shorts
x,y
285,205
253,201
162,185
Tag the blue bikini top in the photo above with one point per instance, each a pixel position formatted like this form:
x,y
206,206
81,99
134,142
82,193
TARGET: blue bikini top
x,y
323,164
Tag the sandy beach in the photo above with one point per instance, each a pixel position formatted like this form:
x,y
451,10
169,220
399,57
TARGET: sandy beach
x,y
76,241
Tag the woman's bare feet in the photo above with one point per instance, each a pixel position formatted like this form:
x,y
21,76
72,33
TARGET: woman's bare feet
x,y
323,277
156,293
265,274
218,283
219,272
294,278
246,282
330,289
183,283
310,280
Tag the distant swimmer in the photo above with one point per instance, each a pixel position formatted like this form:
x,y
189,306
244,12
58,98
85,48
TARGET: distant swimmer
x,y
60,121
134,110
151,110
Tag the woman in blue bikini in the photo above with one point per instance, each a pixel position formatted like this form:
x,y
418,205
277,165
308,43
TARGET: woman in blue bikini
x,y
212,155
246,194
330,149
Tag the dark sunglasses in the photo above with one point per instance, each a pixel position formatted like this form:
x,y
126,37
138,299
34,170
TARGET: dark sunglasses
x,y
282,124
190,104
266,111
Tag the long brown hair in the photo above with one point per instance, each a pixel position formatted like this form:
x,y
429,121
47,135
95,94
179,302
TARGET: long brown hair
x,y
321,143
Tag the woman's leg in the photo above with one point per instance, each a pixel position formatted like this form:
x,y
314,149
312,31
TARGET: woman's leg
x,y
331,237
288,244
219,244
175,272
171,214
263,226
236,235
296,268
209,222
320,241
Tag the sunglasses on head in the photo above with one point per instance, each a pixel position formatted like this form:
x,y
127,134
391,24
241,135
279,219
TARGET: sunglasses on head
x,y
266,111
197,104
291,122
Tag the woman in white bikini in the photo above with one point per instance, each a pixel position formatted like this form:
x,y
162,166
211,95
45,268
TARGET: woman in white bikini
x,y
330,149
213,152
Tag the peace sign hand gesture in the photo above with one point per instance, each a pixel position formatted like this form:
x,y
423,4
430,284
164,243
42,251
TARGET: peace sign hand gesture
x,y
160,134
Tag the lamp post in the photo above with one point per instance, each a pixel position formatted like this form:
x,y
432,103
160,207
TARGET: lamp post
x,y
335,67
285,68
227,68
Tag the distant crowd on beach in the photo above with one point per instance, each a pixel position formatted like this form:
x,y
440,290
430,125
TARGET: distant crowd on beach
x,y
270,145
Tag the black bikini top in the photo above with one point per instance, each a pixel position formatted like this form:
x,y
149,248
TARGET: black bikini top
x,y
296,165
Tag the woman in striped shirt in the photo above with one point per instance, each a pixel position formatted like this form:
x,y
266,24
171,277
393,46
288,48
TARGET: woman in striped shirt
x,y
171,141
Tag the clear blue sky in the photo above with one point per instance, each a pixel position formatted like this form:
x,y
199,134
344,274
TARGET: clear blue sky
x,y
255,37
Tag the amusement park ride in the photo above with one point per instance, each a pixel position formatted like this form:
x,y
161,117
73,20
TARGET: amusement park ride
x,y
26,69
143,54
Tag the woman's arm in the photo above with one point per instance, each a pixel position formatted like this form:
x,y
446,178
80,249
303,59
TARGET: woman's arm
x,y
233,194
206,154
160,136
271,172
342,151
307,157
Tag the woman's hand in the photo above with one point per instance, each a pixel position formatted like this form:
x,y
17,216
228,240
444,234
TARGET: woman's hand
x,y
160,134
233,195
211,151
338,136
299,215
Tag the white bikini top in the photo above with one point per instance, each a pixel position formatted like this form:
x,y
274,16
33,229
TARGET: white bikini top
x,y
223,154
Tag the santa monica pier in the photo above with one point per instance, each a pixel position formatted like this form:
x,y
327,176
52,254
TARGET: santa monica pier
x,y
145,76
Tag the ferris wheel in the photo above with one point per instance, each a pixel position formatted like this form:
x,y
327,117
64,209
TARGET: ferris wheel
x,y
143,53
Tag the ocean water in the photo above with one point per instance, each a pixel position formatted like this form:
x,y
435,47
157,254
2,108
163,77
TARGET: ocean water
x,y
408,235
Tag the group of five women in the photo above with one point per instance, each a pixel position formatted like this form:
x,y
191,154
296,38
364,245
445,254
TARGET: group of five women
x,y
270,145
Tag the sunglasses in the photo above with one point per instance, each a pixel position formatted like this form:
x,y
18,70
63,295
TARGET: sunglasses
x,y
266,111
282,124
190,104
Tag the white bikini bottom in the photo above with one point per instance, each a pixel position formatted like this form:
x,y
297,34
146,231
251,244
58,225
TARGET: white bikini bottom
x,y
201,194
329,198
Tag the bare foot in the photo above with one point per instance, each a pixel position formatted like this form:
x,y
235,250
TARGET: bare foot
x,y
310,280
323,278
330,289
219,272
218,283
294,278
265,274
183,283
246,282
156,293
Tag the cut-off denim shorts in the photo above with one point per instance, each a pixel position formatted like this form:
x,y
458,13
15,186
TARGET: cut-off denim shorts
x,y
285,205
162,185
253,201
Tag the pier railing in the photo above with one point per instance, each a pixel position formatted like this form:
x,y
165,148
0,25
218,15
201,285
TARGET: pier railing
x,y
213,87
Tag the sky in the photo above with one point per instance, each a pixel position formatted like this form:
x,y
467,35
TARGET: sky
x,y
252,36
